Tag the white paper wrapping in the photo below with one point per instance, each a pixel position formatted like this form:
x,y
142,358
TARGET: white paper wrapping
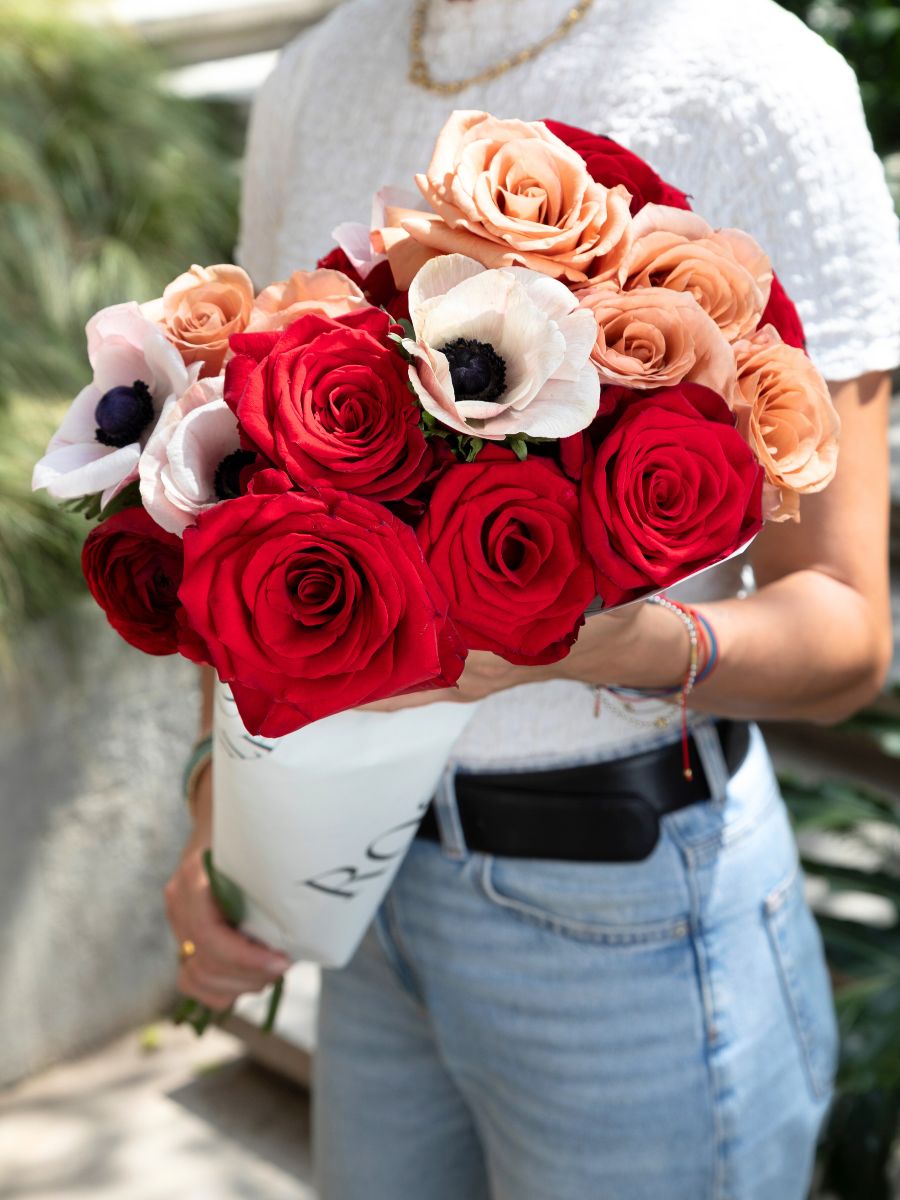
x,y
313,826
596,607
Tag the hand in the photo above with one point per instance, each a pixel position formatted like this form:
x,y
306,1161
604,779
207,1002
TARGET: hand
x,y
486,673
611,648
227,963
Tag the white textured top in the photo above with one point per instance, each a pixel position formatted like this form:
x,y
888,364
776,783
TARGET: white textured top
x,y
736,102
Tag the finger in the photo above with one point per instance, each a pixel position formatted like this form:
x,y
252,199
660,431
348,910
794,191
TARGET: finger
x,y
222,975
239,953
202,967
218,1002
224,989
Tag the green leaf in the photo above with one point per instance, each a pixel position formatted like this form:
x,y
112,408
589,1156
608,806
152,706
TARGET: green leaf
x,y
431,426
226,892
404,354
90,506
129,497
184,1010
274,1004
471,447
519,447
84,506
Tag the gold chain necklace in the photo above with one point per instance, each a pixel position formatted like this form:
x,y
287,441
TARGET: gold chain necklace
x,y
420,72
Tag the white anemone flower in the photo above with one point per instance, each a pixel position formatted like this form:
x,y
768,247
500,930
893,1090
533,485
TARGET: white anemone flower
x,y
501,352
137,372
193,460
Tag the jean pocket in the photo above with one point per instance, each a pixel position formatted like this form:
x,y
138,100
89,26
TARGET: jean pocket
x,y
613,903
797,948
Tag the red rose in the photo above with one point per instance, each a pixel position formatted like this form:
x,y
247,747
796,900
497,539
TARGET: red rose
x,y
378,287
781,313
328,401
503,539
672,487
609,163
412,509
133,569
309,603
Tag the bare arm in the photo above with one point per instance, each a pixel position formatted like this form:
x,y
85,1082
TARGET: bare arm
x,y
816,641
813,643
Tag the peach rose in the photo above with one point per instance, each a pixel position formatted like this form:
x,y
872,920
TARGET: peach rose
x,y
510,193
201,309
785,412
652,337
724,269
328,293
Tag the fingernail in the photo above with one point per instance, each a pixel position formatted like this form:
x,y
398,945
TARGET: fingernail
x,y
278,963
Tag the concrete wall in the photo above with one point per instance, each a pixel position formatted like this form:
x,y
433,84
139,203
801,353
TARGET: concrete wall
x,y
93,736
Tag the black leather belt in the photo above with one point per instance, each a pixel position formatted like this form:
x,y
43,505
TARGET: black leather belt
x,y
600,812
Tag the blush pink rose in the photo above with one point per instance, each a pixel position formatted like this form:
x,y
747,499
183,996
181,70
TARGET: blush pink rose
x,y
201,309
652,337
785,412
328,293
510,193
725,270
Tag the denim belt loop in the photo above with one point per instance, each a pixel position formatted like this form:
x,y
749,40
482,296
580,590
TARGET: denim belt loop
x,y
712,756
446,811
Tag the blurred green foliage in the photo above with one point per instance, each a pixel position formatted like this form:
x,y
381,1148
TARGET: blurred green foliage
x,y
863,955
867,33
110,187
40,544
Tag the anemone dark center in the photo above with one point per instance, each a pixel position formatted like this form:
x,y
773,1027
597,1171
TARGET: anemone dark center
x,y
123,413
227,479
477,370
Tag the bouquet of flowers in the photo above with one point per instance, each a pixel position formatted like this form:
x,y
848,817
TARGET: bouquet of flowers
x,y
539,386
543,383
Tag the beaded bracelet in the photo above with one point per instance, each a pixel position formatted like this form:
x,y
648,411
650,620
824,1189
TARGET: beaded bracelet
x,y
198,760
709,657
712,657
690,620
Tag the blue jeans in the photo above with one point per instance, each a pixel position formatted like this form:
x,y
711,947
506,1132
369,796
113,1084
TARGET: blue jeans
x,y
537,1030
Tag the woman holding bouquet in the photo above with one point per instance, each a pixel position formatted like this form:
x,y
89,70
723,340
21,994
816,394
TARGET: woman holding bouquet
x,y
641,1015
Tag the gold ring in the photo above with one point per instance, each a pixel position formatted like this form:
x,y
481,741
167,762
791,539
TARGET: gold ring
x,y
187,949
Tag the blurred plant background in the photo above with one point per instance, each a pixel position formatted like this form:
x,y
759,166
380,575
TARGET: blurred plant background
x,y
111,185
849,834
114,177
